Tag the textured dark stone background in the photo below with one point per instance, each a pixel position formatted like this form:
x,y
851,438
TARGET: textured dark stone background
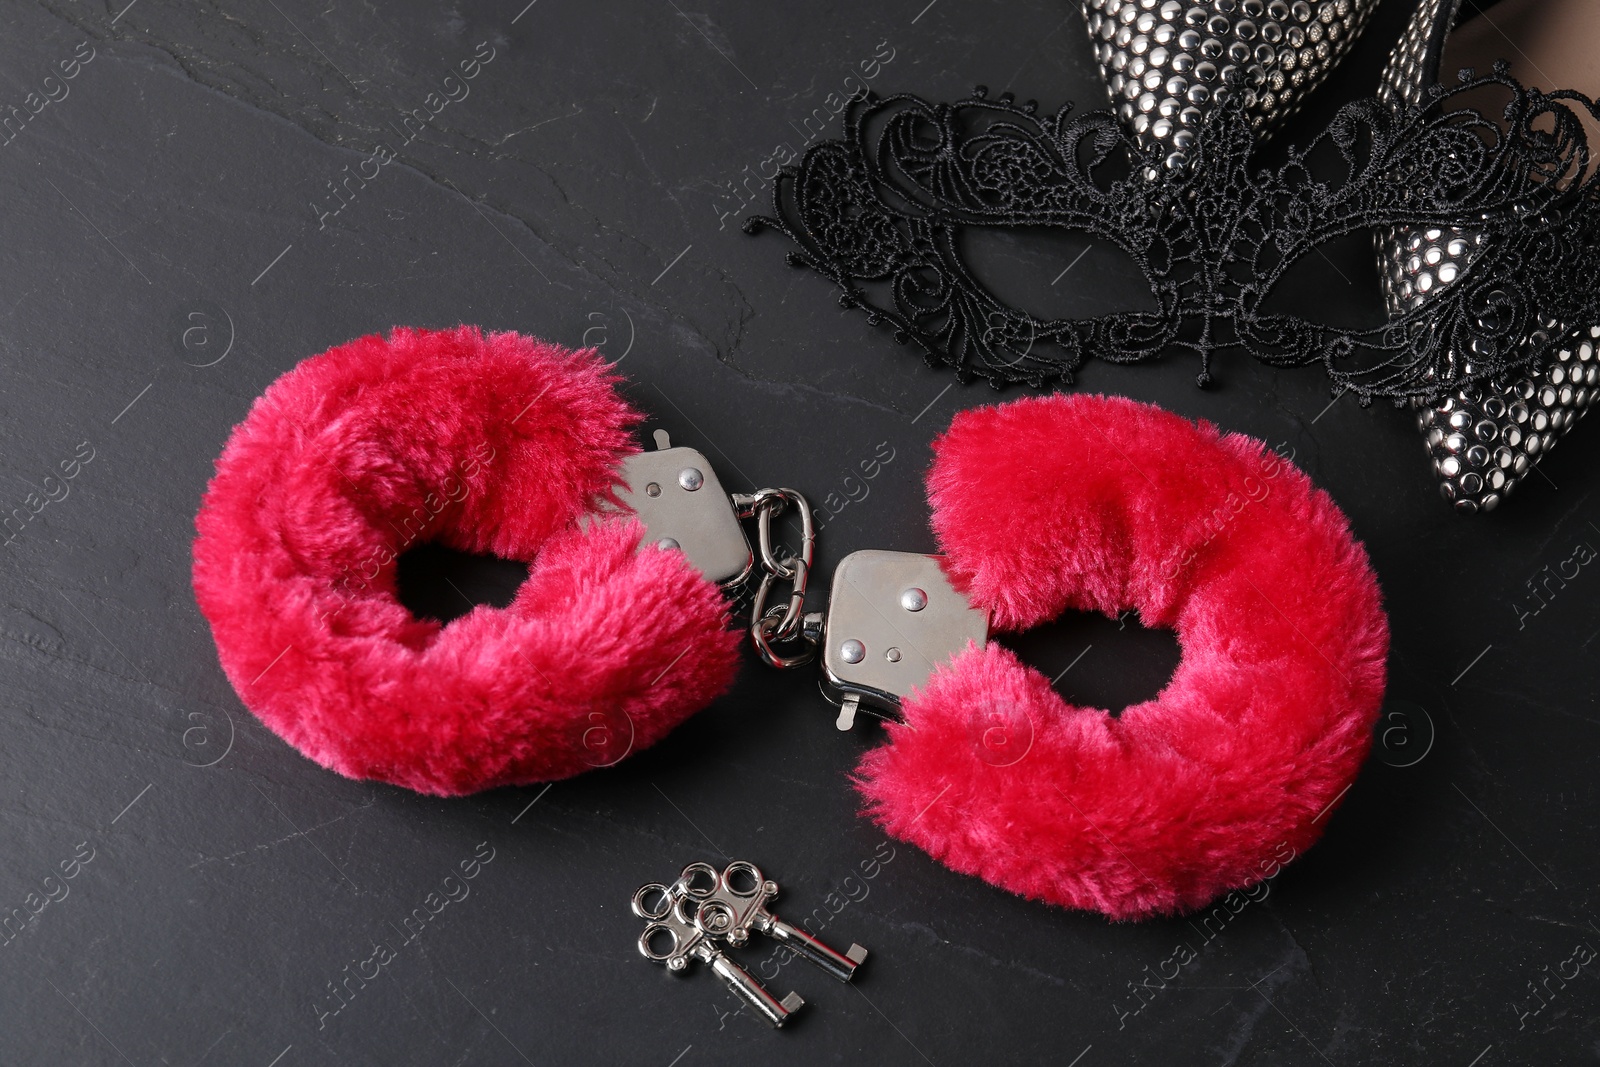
x,y
598,147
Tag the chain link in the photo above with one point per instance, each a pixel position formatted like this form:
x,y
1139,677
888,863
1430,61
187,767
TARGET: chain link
x,y
780,624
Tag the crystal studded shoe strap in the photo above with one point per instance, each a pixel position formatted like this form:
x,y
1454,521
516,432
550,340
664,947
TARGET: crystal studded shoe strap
x,y
1414,64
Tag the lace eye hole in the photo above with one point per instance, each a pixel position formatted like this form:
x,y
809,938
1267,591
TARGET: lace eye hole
x,y
1051,273
1335,282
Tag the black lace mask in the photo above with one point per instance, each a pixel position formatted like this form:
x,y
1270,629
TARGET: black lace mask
x,y
882,213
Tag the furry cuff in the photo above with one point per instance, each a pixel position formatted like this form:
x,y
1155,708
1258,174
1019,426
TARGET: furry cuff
x,y
1085,503
492,443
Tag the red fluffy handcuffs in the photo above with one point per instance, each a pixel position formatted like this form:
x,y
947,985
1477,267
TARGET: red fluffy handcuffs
x,y
502,444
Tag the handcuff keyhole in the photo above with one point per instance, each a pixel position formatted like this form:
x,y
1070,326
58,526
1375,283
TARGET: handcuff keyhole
x,y
441,583
1096,662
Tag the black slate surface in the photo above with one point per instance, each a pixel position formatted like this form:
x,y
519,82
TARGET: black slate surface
x,y
165,256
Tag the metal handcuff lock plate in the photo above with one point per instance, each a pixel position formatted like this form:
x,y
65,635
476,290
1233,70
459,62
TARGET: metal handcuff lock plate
x,y
892,618
679,498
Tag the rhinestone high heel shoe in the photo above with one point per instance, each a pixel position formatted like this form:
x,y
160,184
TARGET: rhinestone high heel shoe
x,y
1167,62
1482,439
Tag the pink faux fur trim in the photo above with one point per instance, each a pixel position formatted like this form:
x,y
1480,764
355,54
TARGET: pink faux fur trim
x,y
492,443
1084,503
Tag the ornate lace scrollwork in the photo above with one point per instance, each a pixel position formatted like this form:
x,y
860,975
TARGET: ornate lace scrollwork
x,y
882,211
